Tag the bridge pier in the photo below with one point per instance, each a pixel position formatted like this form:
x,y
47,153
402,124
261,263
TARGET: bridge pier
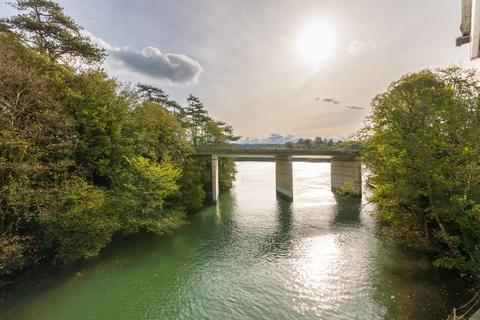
x,y
215,185
284,176
346,175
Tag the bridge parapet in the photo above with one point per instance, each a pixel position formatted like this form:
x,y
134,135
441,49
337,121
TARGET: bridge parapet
x,y
243,152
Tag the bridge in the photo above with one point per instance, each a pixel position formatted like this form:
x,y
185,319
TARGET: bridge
x,y
346,172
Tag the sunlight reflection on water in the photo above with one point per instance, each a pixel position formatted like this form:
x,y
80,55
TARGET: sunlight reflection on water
x,y
250,256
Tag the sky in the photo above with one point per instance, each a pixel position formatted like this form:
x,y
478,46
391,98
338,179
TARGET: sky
x,y
274,69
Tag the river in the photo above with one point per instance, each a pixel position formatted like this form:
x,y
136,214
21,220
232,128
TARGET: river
x,y
252,256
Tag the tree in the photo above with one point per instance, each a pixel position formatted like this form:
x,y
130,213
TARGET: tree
x,y
423,149
228,131
196,117
36,146
139,196
159,135
289,145
318,142
308,143
76,221
101,118
175,108
43,26
153,94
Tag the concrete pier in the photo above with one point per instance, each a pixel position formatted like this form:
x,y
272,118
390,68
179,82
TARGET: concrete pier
x,y
284,176
346,175
215,185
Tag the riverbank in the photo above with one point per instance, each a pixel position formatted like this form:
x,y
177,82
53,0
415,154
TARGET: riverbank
x,y
252,256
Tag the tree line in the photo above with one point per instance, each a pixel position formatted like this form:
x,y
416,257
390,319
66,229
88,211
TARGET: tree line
x,y
84,158
319,143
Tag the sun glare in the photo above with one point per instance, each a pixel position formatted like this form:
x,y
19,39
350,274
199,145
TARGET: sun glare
x,y
316,43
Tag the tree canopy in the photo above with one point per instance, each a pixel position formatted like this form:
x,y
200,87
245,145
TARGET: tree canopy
x,y
422,146
44,27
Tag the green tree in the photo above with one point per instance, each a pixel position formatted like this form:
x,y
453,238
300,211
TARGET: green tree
x,y
150,93
196,117
228,131
101,116
75,220
36,146
175,108
158,134
43,26
289,145
139,196
423,149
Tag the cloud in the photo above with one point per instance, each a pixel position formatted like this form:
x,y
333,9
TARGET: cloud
x,y
338,102
330,100
151,62
273,138
356,47
355,107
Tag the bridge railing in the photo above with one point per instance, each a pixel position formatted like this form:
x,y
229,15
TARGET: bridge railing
x,y
233,150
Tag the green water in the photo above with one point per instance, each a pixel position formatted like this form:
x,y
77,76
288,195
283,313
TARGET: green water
x,y
252,256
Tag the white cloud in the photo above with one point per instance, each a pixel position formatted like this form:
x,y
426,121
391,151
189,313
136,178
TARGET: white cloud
x,y
151,62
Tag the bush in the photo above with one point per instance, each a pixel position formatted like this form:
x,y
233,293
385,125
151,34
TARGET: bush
x,y
139,195
13,255
76,222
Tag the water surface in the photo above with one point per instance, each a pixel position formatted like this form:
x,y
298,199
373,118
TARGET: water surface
x,y
252,256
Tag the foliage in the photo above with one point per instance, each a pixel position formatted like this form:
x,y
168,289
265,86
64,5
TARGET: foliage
x,y
76,221
307,143
139,194
193,189
13,255
319,143
348,190
150,93
83,159
43,25
158,134
197,118
423,150
226,169
100,116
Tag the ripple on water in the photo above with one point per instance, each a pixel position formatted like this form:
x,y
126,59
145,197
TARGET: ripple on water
x,y
251,256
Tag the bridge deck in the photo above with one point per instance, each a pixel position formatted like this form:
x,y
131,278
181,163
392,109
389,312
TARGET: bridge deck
x,y
258,152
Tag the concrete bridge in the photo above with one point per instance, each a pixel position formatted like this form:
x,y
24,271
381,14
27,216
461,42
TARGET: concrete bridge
x,y
346,170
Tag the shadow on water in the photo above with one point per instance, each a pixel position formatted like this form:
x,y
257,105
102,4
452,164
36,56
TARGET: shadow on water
x,y
408,286
217,224
279,243
128,260
346,212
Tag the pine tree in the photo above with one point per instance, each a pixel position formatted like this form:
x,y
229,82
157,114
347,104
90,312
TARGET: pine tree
x,y
44,27
150,93
196,117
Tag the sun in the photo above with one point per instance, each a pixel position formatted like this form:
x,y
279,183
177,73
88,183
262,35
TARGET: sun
x,y
316,43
